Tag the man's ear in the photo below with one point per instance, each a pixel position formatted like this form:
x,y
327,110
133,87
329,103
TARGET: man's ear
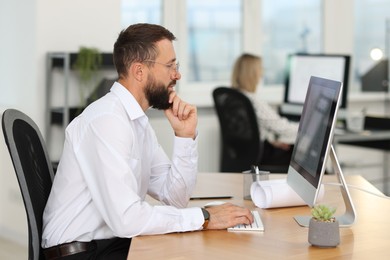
x,y
137,70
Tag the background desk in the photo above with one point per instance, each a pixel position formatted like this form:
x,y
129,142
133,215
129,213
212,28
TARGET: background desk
x,y
376,139
373,139
283,238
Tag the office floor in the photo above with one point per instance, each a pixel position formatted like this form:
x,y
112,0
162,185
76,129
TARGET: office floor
x,y
354,161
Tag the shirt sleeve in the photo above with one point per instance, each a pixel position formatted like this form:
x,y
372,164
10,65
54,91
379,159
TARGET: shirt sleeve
x,y
174,182
110,146
275,127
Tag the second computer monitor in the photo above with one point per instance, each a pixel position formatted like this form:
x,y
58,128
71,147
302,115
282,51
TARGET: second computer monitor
x,y
300,67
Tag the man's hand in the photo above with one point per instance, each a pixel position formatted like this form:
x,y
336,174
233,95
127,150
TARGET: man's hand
x,y
182,117
228,215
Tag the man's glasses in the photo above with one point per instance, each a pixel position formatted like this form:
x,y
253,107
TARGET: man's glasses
x,y
171,66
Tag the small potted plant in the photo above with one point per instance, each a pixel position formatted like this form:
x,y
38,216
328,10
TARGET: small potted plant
x,y
87,64
324,227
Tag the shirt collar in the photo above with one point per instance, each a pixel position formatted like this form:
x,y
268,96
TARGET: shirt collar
x,y
128,101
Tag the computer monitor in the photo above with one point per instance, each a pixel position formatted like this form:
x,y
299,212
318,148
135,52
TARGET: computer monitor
x,y
300,67
313,146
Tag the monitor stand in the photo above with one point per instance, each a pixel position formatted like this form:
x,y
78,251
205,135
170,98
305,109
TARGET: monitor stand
x,y
349,216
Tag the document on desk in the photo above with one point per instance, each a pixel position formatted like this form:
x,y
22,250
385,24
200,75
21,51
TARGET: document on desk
x,y
276,194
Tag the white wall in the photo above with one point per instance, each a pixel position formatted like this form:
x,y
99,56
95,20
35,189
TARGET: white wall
x,y
29,29
339,29
18,88
17,52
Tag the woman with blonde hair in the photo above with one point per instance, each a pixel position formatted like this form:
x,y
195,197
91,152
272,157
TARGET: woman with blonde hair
x,y
277,133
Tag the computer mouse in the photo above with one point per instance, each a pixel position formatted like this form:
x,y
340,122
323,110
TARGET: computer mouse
x,y
214,203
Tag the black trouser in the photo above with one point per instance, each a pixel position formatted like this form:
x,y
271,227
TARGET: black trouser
x,y
106,249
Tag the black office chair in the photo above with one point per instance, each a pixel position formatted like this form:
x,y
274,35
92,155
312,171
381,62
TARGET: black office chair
x,y
33,170
241,145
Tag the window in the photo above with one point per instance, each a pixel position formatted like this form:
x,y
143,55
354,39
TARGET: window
x,y
214,30
288,27
213,33
134,11
370,33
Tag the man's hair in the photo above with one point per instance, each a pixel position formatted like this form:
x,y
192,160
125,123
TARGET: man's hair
x,y
137,43
247,72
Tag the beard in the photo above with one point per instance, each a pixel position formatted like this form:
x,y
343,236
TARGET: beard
x,y
157,94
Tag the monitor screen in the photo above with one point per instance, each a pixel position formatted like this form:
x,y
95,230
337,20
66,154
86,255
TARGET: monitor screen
x,y
301,67
314,137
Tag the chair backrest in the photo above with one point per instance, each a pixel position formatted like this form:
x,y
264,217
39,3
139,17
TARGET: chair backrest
x,y
241,145
33,170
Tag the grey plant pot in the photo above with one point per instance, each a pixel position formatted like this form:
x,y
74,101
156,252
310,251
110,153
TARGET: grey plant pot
x,y
324,234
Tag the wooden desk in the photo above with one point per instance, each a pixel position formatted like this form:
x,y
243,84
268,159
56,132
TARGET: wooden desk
x,y
283,238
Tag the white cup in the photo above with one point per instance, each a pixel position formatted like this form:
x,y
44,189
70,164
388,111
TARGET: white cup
x,y
355,121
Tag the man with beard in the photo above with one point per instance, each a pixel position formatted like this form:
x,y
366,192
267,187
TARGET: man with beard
x,y
111,160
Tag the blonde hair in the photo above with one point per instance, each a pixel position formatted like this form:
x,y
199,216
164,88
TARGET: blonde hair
x,y
247,71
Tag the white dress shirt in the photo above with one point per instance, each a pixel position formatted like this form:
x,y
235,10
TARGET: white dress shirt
x,y
272,126
111,160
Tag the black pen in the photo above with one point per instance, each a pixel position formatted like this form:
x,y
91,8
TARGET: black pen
x,y
212,198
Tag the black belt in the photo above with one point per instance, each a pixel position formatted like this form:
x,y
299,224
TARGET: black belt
x,y
66,249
